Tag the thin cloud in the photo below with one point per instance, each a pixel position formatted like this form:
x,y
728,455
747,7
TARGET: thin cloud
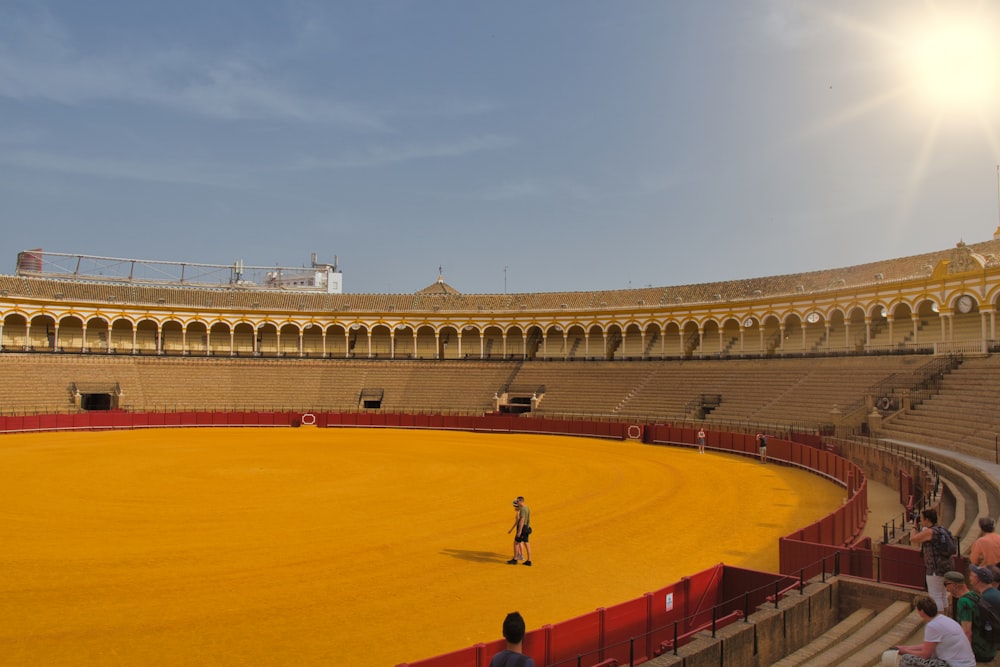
x,y
21,135
226,89
644,185
115,169
39,62
381,155
785,23
233,176
505,191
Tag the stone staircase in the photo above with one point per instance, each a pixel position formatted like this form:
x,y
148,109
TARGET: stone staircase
x,y
835,636
860,644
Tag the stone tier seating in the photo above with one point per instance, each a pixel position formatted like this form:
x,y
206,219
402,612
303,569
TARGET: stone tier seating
x,y
784,392
963,415
38,383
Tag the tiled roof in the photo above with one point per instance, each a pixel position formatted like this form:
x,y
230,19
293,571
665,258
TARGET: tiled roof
x,y
439,296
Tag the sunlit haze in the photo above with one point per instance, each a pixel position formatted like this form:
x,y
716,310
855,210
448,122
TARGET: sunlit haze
x,y
953,57
521,146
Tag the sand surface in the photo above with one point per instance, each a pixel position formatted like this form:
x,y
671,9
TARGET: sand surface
x,y
367,546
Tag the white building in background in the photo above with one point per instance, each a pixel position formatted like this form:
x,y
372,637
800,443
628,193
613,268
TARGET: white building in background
x,y
318,277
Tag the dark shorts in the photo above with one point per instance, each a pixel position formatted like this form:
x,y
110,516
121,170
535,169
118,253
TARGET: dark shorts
x,y
523,535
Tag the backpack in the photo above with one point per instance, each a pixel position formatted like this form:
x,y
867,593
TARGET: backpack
x,y
944,542
989,620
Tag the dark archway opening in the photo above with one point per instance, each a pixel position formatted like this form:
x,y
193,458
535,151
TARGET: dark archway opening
x,y
96,401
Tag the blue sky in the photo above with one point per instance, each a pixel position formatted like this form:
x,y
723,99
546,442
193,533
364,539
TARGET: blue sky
x,y
520,145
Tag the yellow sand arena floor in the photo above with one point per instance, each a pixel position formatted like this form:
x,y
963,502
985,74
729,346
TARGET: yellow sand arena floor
x,y
365,547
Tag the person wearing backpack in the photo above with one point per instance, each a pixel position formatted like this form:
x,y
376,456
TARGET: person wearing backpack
x,y
968,615
987,606
938,548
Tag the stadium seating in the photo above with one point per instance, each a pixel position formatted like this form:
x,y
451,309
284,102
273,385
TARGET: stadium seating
x,y
732,355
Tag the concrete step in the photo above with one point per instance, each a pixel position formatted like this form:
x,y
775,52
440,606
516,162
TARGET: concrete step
x,y
836,634
872,636
907,631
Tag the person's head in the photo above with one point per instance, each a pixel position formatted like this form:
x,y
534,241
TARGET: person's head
x,y
980,577
513,628
954,581
925,606
995,571
520,500
986,524
929,515
514,503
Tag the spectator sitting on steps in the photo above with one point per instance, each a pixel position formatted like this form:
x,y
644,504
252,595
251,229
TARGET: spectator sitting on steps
x,y
944,642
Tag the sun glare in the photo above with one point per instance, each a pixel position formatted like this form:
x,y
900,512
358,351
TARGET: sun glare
x,y
935,70
953,62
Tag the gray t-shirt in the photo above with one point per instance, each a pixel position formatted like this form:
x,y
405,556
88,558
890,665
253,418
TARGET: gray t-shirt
x,y
507,658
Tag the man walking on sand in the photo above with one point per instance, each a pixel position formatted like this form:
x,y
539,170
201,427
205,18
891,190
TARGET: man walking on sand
x,y
523,530
518,553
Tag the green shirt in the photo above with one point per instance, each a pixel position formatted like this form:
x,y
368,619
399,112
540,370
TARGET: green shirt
x,y
525,516
966,609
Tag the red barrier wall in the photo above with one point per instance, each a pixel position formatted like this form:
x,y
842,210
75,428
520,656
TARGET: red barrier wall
x,y
113,419
623,622
902,565
580,635
637,626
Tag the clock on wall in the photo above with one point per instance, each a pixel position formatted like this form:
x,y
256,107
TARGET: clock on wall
x,y
965,304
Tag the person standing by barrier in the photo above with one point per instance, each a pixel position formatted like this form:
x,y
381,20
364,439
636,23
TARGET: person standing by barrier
x,y
513,633
936,561
762,447
986,549
701,441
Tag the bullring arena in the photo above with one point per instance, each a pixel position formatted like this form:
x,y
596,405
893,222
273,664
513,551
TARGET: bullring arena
x,y
128,541
367,546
